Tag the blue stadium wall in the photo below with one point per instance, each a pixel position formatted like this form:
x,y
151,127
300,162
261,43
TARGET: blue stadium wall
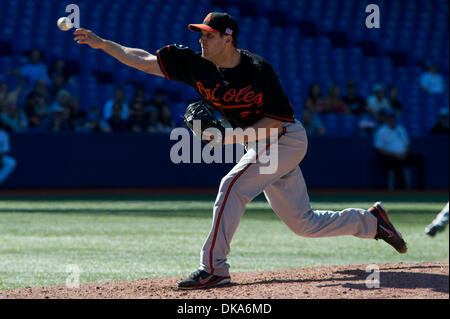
x,y
143,160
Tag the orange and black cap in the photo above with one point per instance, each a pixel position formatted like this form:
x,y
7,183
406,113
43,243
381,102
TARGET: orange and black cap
x,y
217,22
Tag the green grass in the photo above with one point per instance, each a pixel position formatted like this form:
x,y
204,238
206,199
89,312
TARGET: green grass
x,y
126,238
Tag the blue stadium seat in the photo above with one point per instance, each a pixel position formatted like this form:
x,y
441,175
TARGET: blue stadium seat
x,y
331,123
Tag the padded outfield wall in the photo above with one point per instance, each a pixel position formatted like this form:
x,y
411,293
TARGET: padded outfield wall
x,y
143,160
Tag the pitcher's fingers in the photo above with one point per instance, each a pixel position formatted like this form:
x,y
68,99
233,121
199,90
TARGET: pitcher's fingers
x,y
80,37
80,31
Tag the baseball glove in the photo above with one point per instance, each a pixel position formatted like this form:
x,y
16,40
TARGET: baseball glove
x,y
201,112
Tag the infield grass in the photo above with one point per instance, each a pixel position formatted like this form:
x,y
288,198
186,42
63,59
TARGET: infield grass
x,y
134,237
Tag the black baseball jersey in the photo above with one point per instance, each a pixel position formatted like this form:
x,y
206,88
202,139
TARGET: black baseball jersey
x,y
244,94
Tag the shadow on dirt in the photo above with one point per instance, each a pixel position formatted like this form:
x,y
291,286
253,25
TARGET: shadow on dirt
x,y
396,277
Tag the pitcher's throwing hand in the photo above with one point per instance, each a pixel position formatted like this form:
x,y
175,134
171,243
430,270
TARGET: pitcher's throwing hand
x,y
88,37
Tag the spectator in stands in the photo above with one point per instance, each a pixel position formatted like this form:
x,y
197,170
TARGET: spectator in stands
x,y
116,122
13,117
119,98
138,120
392,144
377,101
312,123
315,101
62,100
59,120
35,69
165,123
139,95
158,100
42,88
396,105
7,163
59,69
95,122
57,85
333,101
78,116
151,113
431,81
6,94
355,103
442,126
35,109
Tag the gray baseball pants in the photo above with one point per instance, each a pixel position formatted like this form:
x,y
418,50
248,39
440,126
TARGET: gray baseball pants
x,y
286,192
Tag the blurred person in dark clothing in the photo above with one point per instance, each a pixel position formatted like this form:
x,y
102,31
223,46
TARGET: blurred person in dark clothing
x,y
59,68
334,103
41,87
315,102
138,121
151,114
158,100
355,103
116,122
35,109
442,125
139,95
165,120
57,85
396,105
78,116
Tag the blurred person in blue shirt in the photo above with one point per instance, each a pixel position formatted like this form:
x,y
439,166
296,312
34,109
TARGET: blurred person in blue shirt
x,y
393,144
431,81
119,97
35,69
7,163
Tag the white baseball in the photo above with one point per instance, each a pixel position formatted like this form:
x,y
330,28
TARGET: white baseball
x,y
64,24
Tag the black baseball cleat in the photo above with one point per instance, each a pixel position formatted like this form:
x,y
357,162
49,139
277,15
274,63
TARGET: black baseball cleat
x,y
431,229
200,279
385,230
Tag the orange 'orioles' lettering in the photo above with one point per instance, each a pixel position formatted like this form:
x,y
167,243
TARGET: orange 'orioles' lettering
x,y
245,94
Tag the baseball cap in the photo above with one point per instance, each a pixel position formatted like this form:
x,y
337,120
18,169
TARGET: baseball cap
x,y
217,22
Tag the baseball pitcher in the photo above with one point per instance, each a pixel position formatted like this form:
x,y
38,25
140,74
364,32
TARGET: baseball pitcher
x,y
247,92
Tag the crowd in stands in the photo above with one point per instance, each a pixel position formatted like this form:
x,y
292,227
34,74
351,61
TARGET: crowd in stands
x,y
370,108
379,114
49,106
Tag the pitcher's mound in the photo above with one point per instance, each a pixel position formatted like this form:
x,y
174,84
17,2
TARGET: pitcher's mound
x,y
401,280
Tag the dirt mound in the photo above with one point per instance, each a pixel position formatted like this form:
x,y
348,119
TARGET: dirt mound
x,y
396,281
